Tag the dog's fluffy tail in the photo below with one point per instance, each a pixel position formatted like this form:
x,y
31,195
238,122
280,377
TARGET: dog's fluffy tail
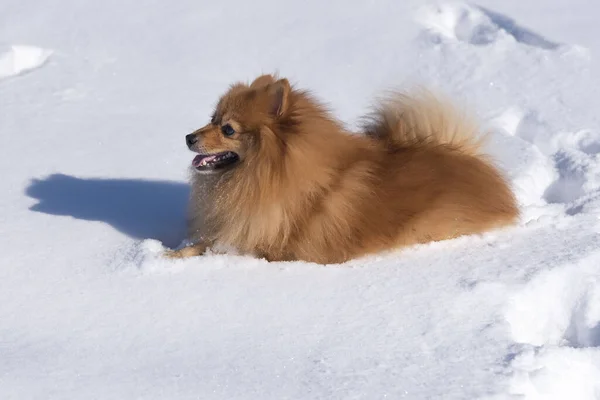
x,y
422,118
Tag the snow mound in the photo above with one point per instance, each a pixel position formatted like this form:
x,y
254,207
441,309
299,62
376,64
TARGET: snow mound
x,y
476,25
18,59
556,318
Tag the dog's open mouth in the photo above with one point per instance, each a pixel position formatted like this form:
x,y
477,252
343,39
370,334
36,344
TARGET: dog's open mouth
x,y
210,162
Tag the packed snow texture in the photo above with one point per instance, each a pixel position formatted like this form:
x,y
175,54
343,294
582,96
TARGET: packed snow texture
x,y
95,100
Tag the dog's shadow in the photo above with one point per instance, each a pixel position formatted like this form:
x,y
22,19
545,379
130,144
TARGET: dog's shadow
x,y
141,209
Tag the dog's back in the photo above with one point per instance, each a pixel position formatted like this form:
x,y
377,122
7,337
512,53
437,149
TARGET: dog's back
x,y
427,181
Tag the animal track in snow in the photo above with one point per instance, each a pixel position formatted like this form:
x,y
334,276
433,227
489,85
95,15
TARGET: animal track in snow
x,y
477,25
18,59
562,167
577,165
572,177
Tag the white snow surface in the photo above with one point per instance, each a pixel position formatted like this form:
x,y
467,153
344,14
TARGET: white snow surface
x,y
95,100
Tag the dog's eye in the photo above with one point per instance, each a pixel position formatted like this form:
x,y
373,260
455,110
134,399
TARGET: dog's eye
x,y
227,130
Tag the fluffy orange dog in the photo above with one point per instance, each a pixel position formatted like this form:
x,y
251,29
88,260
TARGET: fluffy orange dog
x,y
276,176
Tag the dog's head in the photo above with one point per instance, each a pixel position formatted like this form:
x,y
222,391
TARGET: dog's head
x,y
243,120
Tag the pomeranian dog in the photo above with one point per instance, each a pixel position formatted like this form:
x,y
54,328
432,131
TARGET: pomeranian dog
x,y
277,177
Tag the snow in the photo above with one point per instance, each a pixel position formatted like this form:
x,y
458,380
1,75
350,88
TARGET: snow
x,y
19,59
95,101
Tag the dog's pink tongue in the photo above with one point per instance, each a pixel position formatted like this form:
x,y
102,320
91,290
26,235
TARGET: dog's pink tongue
x,y
199,158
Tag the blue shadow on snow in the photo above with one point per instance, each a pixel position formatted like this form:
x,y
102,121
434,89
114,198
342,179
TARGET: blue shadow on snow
x,y
141,209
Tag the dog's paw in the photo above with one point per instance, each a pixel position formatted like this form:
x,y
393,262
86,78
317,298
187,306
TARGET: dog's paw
x,y
185,252
171,254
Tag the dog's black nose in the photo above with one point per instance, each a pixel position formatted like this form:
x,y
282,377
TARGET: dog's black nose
x,y
191,139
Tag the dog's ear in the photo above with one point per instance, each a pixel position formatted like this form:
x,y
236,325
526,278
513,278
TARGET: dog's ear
x,y
278,96
262,81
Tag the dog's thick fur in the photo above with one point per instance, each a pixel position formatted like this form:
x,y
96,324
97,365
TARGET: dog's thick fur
x,y
306,189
